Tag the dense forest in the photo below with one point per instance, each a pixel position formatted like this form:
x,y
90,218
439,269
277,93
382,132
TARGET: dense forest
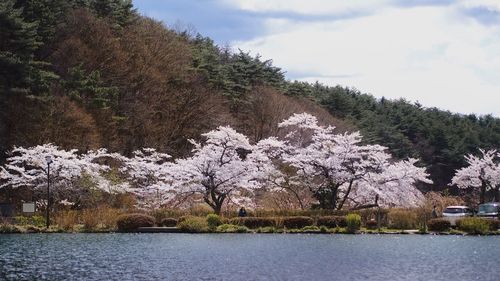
x,y
95,73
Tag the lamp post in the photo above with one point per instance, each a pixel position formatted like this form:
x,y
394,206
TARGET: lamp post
x,y
48,159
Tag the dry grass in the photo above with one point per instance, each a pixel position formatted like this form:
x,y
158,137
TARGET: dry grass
x,y
66,220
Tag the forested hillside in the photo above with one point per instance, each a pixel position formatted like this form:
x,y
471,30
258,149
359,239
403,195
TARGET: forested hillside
x,y
94,73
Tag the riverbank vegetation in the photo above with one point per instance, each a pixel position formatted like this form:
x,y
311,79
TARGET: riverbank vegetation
x,y
382,221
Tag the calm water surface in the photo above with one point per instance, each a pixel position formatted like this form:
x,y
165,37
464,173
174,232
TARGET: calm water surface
x,y
247,257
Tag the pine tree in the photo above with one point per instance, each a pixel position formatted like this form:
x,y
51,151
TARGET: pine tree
x,y
18,42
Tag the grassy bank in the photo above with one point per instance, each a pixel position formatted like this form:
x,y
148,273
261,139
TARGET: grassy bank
x,y
107,220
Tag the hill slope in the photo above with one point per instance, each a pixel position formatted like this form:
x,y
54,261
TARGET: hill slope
x,y
93,73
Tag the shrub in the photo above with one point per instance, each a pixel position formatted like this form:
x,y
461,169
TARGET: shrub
x,y
331,221
474,225
494,224
131,222
38,221
231,228
193,225
182,218
310,229
438,225
267,229
353,223
66,220
213,221
168,222
21,220
201,210
371,224
402,219
108,217
297,222
90,219
10,228
323,229
254,222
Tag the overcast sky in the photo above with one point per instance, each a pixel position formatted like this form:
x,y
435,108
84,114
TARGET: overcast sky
x,y
441,53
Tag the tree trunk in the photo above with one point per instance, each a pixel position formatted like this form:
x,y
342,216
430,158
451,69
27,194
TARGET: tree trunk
x,y
482,194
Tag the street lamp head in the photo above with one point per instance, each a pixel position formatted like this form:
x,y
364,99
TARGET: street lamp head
x,y
48,158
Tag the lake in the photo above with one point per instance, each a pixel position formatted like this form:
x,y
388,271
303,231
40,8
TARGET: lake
x,y
247,257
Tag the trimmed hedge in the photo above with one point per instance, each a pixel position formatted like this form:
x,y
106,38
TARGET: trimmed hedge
x,y
438,225
168,222
131,222
371,224
254,222
474,225
332,221
297,222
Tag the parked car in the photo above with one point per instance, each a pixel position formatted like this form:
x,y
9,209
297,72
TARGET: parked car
x,y
489,210
454,213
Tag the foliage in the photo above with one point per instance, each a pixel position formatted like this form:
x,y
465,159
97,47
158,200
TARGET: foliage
x,y
136,83
353,223
371,224
224,167
402,219
66,220
19,68
311,229
340,170
267,229
231,228
193,225
331,221
297,222
213,221
474,225
438,225
482,173
10,228
131,222
494,224
169,222
254,222
28,167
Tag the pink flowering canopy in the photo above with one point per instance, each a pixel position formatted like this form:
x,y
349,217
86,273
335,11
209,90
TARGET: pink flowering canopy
x,y
482,173
340,170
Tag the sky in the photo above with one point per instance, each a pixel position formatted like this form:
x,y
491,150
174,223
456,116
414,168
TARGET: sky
x,y
440,53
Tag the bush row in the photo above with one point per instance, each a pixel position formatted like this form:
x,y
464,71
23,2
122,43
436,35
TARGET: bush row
x,y
131,222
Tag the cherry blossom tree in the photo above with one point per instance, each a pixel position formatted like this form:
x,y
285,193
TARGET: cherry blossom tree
x,y
339,169
27,167
224,167
482,172
148,173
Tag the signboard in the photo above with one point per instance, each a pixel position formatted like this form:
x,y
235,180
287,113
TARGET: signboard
x,y
28,207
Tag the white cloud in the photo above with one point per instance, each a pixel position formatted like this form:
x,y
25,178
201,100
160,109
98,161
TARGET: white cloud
x,y
432,54
310,7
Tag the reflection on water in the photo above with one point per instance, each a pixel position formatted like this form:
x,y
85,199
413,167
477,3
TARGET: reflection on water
x,y
247,257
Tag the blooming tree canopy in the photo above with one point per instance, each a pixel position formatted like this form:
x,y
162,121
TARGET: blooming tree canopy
x,y
482,172
148,173
27,167
225,166
338,168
